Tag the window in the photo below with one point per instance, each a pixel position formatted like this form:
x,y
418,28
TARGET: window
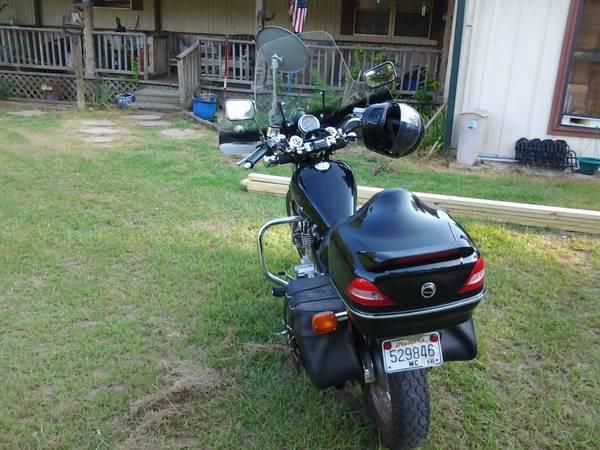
x,y
577,98
372,17
393,17
413,18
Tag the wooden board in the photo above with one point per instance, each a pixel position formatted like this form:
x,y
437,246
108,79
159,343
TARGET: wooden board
x,y
568,219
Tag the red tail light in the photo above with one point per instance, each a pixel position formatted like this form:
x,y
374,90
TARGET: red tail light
x,y
476,278
364,292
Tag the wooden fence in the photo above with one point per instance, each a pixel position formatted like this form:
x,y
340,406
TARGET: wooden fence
x,y
47,48
188,69
121,53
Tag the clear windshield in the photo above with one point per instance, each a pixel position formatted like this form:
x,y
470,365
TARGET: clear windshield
x,y
303,77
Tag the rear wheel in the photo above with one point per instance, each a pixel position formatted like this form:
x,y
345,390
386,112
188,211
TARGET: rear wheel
x,y
399,404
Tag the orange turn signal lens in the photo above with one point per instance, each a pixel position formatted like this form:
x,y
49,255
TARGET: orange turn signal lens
x,y
324,322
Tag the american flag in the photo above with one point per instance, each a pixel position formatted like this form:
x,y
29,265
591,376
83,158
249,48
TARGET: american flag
x,y
298,10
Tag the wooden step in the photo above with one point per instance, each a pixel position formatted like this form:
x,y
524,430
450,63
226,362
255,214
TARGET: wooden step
x,y
154,106
158,92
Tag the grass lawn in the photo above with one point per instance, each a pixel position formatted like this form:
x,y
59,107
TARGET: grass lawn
x,y
133,313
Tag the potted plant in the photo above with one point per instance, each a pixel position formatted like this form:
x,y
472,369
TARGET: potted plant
x,y
51,91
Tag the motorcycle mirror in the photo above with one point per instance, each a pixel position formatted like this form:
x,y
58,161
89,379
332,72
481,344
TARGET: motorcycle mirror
x,y
240,110
380,75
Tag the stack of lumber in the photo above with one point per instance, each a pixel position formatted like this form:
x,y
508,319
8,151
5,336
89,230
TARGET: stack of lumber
x,y
567,219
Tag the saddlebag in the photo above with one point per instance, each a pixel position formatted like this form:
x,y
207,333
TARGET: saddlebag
x,y
329,359
418,257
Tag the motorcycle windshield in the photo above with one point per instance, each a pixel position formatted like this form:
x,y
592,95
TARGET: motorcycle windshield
x,y
307,73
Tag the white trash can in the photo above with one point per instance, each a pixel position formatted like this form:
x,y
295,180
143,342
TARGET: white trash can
x,y
473,126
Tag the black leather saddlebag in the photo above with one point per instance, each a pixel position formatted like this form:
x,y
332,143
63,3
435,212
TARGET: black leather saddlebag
x,y
329,359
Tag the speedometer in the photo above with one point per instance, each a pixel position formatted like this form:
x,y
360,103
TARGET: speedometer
x,y
308,122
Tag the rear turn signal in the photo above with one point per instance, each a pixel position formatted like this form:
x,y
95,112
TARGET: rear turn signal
x,y
477,277
324,323
364,292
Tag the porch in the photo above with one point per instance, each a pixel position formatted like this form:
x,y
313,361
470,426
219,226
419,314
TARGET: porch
x,y
178,65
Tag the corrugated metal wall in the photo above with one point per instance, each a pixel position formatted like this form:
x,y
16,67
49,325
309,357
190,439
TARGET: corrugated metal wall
x,y
17,12
54,10
210,16
509,63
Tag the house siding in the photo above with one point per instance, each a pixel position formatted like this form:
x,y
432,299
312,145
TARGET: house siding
x,y
18,12
509,64
232,17
54,10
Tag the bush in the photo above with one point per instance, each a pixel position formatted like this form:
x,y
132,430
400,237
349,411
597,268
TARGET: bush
x,y
5,89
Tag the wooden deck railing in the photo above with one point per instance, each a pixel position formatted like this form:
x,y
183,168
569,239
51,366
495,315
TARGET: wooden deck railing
x,y
44,48
415,65
188,69
121,53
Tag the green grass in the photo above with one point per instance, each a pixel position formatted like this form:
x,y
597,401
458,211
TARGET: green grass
x,y
121,266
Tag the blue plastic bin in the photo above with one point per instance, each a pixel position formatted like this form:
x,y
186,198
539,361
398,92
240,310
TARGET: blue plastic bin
x,y
124,100
205,106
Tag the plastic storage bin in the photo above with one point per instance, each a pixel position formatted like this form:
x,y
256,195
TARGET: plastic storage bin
x,y
205,106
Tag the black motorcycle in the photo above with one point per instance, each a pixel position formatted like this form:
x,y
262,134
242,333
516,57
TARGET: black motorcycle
x,y
382,292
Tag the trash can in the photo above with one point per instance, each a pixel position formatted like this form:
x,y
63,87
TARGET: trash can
x,y
473,126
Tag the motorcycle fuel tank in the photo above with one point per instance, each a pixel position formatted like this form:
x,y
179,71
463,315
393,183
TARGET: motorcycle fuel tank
x,y
325,191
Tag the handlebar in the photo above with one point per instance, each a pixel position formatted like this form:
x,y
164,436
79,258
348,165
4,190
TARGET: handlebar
x,y
250,161
279,151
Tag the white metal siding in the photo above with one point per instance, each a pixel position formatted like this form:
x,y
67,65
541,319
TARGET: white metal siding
x,y
54,10
509,63
210,16
17,12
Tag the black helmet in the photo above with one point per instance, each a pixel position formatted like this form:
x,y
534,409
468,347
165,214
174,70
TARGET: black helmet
x,y
392,129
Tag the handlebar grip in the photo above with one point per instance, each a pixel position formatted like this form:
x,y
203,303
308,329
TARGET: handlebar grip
x,y
255,157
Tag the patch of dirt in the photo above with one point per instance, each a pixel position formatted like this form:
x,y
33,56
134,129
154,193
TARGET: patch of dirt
x,y
184,384
87,323
254,348
178,133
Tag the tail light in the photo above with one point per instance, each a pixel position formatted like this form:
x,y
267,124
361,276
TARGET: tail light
x,y
364,292
476,278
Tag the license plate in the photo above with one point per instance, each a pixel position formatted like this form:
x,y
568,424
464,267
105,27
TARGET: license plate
x,y
412,353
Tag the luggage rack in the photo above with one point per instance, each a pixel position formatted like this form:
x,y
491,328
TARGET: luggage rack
x,y
547,154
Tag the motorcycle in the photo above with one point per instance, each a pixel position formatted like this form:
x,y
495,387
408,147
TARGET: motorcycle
x,y
383,292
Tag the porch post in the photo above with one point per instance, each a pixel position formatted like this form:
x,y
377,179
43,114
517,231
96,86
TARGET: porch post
x,y
258,16
37,12
78,69
446,45
88,39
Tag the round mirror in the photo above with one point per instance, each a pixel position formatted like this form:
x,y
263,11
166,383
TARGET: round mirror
x,y
282,47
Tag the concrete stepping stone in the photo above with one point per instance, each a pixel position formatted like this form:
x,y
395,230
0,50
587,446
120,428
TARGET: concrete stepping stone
x,y
99,140
177,133
28,113
154,123
99,130
151,117
98,123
